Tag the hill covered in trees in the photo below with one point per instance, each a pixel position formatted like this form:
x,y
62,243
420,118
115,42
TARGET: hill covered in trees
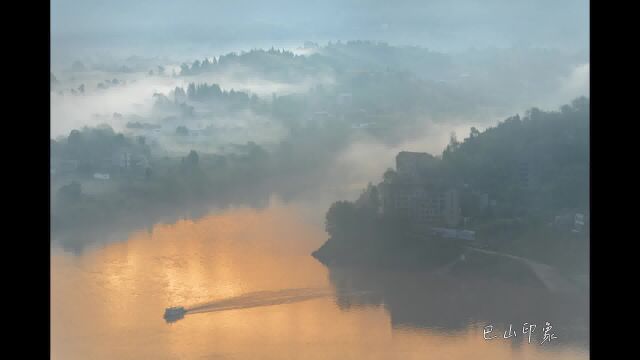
x,y
530,171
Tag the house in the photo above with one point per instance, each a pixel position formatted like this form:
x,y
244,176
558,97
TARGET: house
x,y
524,175
121,159
63,166
571,220
483,201
363,125
450,208
345,99
467,235
101,176
139,161
320,117
127,161
579,222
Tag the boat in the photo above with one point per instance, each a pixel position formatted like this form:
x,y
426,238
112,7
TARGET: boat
x,y
174,313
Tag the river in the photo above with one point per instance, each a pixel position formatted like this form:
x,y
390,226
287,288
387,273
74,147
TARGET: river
x,y
108,302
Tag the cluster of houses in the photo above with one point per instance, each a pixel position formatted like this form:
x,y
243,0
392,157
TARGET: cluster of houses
x,y
121,162
434,204
574,221
346,112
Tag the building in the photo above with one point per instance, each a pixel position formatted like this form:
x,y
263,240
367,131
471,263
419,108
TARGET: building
x,y
523,172
125,161
467,235
571,220
483,201
579,222
418,202
320,118
121,159
418,193
423,204
101,176
64,166
450,208
345,99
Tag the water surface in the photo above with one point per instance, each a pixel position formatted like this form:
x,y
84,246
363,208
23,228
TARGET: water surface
x,y
108,303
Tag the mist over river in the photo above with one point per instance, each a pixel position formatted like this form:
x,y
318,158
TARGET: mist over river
x,y
108,301
330,180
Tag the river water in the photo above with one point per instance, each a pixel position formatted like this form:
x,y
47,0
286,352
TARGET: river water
x,y
272,300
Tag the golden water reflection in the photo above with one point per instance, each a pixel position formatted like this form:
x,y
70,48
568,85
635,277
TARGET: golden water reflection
x,y
108,303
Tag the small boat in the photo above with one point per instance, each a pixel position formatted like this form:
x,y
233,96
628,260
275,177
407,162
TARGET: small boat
x,y
174,313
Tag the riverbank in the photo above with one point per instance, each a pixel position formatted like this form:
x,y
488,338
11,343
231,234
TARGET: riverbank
x,y
446,257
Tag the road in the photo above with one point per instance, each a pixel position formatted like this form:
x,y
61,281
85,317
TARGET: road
x,y
550,277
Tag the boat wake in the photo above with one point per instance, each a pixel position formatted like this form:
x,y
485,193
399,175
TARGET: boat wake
x,y
260,298
249,300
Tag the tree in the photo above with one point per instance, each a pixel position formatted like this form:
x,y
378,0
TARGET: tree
x,y
70,192
191,91
75,138
182,131
369,199
195,67
453,141
453,145
179,95
340,218
374,197
192,159
580,104
389,176
184,69
205,65
78,66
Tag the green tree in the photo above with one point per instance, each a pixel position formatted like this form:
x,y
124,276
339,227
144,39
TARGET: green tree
x,y
340,218
192,159
389,176
71,192
182,131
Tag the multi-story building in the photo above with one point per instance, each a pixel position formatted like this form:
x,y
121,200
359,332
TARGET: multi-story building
x,y
417,193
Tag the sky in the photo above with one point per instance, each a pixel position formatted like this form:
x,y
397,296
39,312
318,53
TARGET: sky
x,y
159,27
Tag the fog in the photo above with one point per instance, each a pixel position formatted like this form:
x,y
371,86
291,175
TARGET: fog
x,y
309,100
319,179
167,26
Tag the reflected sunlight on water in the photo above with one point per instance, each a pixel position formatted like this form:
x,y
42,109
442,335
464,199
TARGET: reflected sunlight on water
x,y
108,303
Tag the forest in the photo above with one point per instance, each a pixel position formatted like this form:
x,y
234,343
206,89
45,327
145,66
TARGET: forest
x,y
552,147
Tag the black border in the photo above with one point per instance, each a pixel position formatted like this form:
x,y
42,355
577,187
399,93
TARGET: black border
x,y
29,275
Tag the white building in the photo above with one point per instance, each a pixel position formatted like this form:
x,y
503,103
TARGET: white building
x,y
101,176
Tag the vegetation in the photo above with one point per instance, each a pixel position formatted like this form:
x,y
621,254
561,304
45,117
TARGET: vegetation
x,y
359,89
143,188
554,148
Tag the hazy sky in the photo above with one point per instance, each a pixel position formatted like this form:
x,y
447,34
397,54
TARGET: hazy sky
x,y
190,29
151,27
